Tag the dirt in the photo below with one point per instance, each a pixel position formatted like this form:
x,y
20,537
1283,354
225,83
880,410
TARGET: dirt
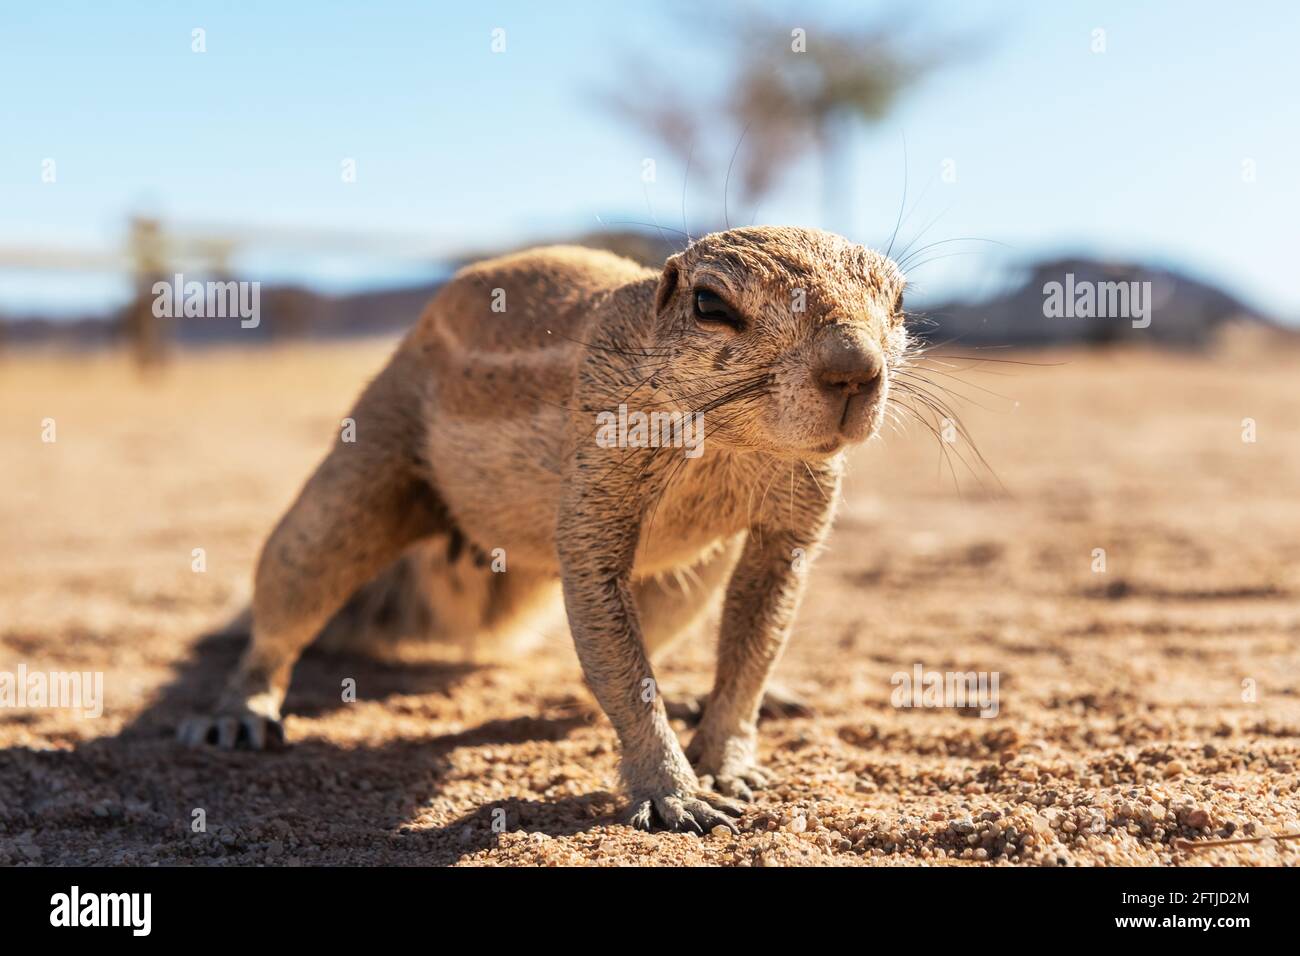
x,y
1140,706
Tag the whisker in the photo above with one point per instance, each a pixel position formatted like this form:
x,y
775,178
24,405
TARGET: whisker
x,y
912,267
649,208
820,490
902,204
914,372
926,228
922,384
686,178
726,186
638,353
942,411
904,256
637,222
944,457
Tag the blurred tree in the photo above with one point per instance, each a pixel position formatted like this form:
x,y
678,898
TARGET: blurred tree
x,y
792,86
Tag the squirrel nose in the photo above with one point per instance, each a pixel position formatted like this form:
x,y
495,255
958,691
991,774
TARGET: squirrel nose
x,y
847,366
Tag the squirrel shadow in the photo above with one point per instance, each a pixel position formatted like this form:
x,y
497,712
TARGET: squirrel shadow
x,y
315,802
316,690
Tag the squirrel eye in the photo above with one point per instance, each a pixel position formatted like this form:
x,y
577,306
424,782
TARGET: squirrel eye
x,y
711,307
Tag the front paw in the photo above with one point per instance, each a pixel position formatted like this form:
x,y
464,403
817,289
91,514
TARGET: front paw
x,y
684,811
729,768
738,782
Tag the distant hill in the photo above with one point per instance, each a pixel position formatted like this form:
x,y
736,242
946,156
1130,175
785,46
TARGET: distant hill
x,y
1051,306
1182,311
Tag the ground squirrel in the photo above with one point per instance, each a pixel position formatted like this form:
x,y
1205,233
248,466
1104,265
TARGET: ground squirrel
x,y
603,427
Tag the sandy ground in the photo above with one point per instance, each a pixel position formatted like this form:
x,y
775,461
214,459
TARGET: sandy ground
x,y
1153,702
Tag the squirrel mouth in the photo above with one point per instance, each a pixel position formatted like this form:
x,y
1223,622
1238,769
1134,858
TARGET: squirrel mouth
x,y
858,416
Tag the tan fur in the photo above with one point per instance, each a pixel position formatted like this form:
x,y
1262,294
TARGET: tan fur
x,y
481,435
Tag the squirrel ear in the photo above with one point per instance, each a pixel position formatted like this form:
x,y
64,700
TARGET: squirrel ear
x,y
667,285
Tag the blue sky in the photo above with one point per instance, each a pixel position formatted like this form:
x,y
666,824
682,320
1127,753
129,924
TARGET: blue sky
x,y
1137,151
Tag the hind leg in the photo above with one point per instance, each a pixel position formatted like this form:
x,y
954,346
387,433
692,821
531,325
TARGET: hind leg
x,y
364,504
444,594
389,610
